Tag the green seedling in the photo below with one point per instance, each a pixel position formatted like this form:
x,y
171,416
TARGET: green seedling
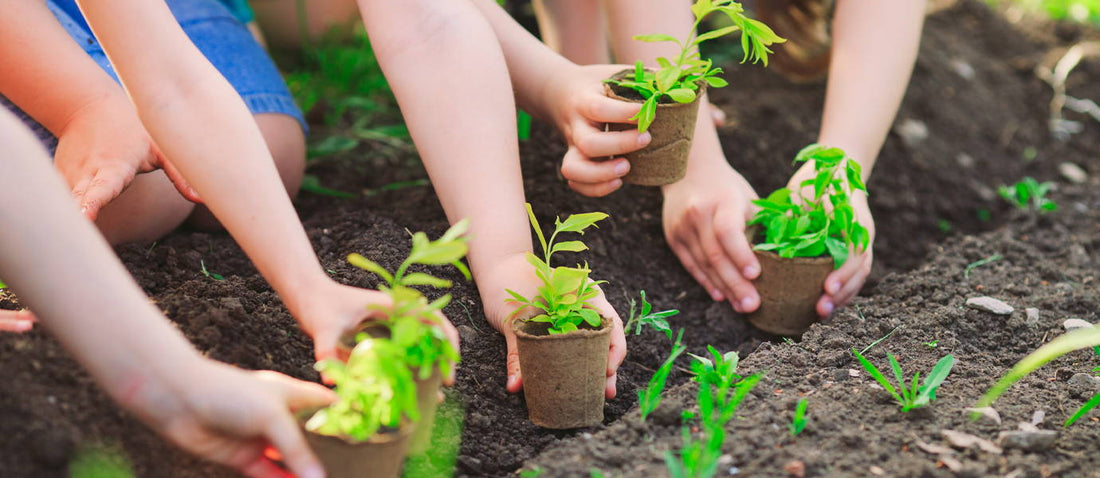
x,y
798,421
980,262
944,226
209,274
1029,194
566,293
415,324
879,340
645,316
910,396
679,80
933,344
3,285
531,473
799,226
1071,341
650,397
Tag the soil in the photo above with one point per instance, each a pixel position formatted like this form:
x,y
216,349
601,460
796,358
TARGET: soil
x,y
981,130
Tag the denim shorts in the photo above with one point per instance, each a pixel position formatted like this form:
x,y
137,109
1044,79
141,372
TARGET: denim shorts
x,y
219,35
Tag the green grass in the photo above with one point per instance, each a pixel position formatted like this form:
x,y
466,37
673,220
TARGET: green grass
x,y
439,460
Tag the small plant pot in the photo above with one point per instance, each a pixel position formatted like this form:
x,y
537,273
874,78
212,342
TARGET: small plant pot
x,y
427,401
564,376
789,290
665,159
380,457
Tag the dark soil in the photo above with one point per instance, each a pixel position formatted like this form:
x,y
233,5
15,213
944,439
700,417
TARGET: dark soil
x,y
48,407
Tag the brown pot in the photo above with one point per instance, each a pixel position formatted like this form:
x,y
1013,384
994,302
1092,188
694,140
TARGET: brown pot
x,y
664,160
427,401
380,457
789,290
564,376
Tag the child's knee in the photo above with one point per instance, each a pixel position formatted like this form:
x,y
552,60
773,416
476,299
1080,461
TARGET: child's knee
x,y
287,144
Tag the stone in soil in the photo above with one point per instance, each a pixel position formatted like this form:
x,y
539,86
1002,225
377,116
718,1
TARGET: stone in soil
x,y
989,304
1033,440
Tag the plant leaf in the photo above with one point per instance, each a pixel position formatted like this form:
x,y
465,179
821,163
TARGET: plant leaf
x,y
657,37
420,278
580,222
368,265
568,246
681,95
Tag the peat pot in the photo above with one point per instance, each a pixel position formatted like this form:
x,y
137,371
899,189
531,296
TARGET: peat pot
x,y
380,457
664,160
564,376
789,290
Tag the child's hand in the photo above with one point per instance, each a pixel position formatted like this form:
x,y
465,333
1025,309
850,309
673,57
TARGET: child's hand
x,y
16,320
843,284
580,108
513,272
704,220
102,148
230,416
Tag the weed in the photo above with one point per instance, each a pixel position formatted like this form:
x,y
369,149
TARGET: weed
x,y
209,274
826,223
933,344
981,262
3,285
650,397
566,293
645,316
984,215
595,473
910,396
798,421
101,461
680,80
944,226
880,340
1029,194
531,473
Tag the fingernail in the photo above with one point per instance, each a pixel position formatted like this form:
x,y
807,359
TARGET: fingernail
x,y
511,382
714,294
315,471
832,286
644,138
24,326
828,306
747,303
751,272
622,168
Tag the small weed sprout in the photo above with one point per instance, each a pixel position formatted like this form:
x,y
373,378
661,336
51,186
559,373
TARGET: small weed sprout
x,y
531,472
566,292
980,262
721,390
679,79
3,285
208,274
911,395
1029,194
798,226
645,316
932,344
798,421
650,397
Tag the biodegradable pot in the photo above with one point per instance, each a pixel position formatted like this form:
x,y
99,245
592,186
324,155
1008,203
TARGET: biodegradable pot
x,y
789,290
427,401
380,457
564,376
664,160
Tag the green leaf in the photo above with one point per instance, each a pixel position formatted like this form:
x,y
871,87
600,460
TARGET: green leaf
x,y
591,317
568,246
1091,404
639,71
681,95
580,222
656,38
647,114
936,377
1069,342
440,303
370,266
420,278
438,253
714,34
667,78
536,227
716,82
876,374
837,250
455,231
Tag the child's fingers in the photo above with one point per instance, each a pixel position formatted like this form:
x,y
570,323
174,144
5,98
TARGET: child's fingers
x,y
730,231
718,292
515,375
578,167
263,467
179,182
737,289
601,109
107,184
16,321
596,143
596,190
286,436
683,252
297,394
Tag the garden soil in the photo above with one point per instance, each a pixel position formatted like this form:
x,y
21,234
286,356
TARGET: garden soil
x,y
985,114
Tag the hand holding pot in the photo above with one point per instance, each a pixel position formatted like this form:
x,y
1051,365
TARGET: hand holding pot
x,y
513,272
230,416
581,109
704,220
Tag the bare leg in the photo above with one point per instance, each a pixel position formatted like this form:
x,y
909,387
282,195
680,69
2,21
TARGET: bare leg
x,y
574,28
287,143
282,28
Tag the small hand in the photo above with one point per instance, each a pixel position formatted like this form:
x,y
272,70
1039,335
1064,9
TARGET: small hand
x,y
16,320
704,220
102,148
513,272
582,111
230,416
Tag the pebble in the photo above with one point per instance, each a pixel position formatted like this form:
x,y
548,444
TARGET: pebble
x,y
963,69
912,132
966,440
1073,173
1032,315
795,468
987,414
1028,440
990,305
1074,324
965,160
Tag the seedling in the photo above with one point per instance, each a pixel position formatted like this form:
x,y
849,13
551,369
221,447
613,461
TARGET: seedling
x,y
679,80
1029,194
980,262
645,316
933,344
566,292
650,397
413,322
799,226
209,274
1071,341
3,285
531,473
910,396
798,421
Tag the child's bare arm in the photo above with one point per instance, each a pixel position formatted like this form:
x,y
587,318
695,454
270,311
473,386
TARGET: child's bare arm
x,y
63,269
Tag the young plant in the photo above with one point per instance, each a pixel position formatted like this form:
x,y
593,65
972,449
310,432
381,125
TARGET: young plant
x,y
414,324
799,226
1071,341
910,396
645,316
650,397
798,421
566,292
1029,194
679,79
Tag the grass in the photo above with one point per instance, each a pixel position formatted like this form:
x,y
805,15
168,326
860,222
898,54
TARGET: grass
x,y
798,421
981,262
650,397
209,274
909,396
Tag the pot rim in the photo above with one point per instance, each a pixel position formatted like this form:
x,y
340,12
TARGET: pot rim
x,y
378,438
605,328
610,92
752,231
